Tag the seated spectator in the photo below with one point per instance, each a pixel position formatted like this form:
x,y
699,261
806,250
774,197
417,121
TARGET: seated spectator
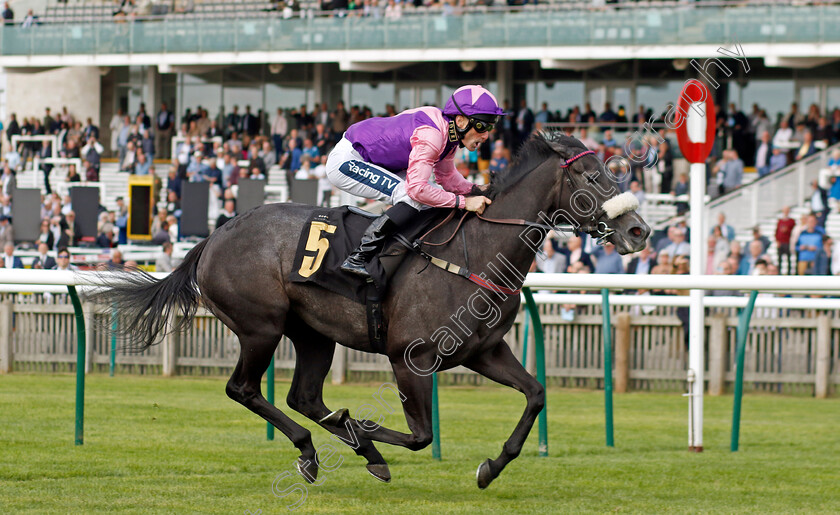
x,y
159,220
763,154
105,231
550,261
717,251
291,159
783,135
807,148
778,160
726,230
116,261
498,161
163,262
43,261
7,232
678,247
172,222
765,241
325,187
227,214
305,171
268,156
636,190
643,263
9,258
160,235
142,166
748,262
63,260
72,174
127,164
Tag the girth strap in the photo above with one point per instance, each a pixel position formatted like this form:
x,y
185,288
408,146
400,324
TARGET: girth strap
x,y
455,269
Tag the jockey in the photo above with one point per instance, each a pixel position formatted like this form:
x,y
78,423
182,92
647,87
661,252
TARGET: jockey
x,y
392,160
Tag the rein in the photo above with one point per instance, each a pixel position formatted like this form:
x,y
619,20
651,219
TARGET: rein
x,y
595,225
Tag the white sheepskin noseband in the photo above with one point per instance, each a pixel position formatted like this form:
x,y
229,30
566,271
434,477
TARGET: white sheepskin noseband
x,y
620,204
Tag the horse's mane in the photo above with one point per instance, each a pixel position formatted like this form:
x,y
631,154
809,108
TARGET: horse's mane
x,y
533,153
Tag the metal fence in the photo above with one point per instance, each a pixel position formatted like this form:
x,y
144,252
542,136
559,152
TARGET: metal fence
x,y
782,348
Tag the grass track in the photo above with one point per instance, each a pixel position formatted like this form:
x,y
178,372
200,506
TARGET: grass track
x,y
157,445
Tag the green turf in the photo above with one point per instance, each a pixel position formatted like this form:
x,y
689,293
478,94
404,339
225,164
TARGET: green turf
x,y
181,446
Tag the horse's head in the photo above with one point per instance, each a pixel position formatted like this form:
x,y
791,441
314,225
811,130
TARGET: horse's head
x,y
588,198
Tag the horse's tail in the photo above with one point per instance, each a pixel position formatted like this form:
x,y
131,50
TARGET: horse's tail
x,y
145,304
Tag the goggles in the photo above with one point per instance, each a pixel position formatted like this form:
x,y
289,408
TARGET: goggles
x,y
481,123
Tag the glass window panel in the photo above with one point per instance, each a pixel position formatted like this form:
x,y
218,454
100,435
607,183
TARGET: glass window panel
x,y
405,99
208,96
833,98
658,96
241,96
428,96
375,97
621,97
775,96
287,96
808,95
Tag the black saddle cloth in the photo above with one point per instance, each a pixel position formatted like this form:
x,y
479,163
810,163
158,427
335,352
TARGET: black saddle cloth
x,y
330,235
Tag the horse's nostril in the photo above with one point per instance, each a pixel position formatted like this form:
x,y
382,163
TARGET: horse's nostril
x,y
636,231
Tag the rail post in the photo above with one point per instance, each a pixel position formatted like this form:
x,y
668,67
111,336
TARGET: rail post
x,y
608,397
743,330
80,365
269,429
435,419
539,346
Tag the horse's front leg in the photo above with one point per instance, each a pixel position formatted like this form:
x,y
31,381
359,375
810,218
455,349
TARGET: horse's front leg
x,y
500,365
415,392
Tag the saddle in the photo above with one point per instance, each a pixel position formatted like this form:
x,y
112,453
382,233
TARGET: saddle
x,y
330,235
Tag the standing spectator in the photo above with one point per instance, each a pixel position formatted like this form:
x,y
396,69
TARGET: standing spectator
x,y
550,261
339,119
778,160
92,153
524,122
279,128
823,260
609,261
143,117
681,188
784,229
544,115
233,122
122,138
9,258
730,171
325,187
807,245
8,14
148,145
716,252
819,203
8,181
665,162
757,236
636,190
164,125
763,154
250,124
576,254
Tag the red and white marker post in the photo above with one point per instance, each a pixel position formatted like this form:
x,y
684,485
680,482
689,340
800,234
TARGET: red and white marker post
x,y
695,120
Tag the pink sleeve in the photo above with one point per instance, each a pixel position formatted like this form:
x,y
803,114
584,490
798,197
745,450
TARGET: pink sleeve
x,y
426,146
450,178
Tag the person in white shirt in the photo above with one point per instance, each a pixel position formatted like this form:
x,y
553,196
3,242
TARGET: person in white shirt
x,y
325,188
279,128
783,135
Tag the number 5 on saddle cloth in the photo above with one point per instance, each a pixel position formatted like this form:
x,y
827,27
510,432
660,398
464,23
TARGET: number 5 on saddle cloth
x,y
330,235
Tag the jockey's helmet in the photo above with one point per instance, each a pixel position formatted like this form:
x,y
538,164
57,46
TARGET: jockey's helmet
x,y
478,105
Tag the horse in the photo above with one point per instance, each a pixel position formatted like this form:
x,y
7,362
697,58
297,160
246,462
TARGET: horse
x,y
435,320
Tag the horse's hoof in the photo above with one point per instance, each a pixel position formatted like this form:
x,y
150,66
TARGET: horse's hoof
x,y
484,476
380,471
307,468
336,418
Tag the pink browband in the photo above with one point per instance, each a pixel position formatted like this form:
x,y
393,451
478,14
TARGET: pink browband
x,y
575,158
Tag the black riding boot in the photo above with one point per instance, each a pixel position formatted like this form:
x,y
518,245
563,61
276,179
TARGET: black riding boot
x,y
374,238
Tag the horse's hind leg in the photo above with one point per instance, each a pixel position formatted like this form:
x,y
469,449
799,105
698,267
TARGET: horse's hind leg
x,y
500,365
244,388
314,358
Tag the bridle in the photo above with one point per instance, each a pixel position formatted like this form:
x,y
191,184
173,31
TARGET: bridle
x,y
596,224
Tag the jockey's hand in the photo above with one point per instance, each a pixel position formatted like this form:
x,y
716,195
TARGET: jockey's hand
x,y
477,204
